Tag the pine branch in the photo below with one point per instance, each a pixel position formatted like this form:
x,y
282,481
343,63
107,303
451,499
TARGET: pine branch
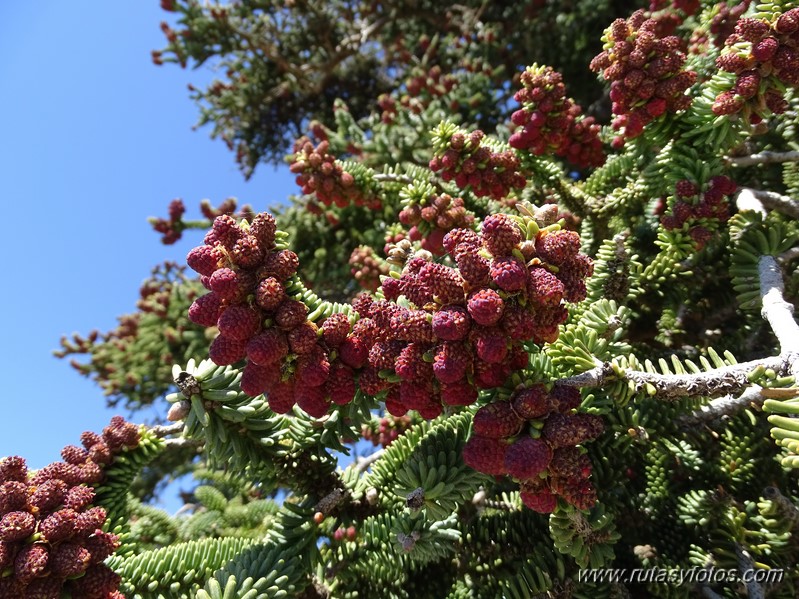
x,y
764,158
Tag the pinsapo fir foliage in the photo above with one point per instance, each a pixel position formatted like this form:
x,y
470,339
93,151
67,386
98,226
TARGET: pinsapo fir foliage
x,y
551,275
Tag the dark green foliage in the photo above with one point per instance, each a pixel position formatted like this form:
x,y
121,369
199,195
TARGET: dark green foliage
x,y
285,64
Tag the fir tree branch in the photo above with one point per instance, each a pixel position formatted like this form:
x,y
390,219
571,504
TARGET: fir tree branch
x,y
725,380
747,200
181,442
778,312
392,178
162,431
481,501
596,377
764,158
776,201
184,509
789,255
709,593
719,381
406,179
746,564
365,462
724,406
358,38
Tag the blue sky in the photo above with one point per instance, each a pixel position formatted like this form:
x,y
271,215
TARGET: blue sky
x,y
95,139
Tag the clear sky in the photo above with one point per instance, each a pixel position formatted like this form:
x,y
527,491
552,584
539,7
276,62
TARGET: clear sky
x,y
95,139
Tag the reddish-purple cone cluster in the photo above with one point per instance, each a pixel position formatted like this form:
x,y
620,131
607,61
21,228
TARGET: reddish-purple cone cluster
x,y
765,58
433,218
318,173
702,210
287,357
470,163
51,538
551,123
722,25
388,108
155,293
387,430
366,267
548,466
646,74
421,87
394,234
171,229
227,206
433,83
464,327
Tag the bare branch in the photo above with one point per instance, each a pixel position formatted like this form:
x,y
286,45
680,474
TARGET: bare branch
x,y
776,201
719,381
763,158
391,178
181,442
709,593
777,312
166,430
747,200
364,462
788,255
724,406
745,566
